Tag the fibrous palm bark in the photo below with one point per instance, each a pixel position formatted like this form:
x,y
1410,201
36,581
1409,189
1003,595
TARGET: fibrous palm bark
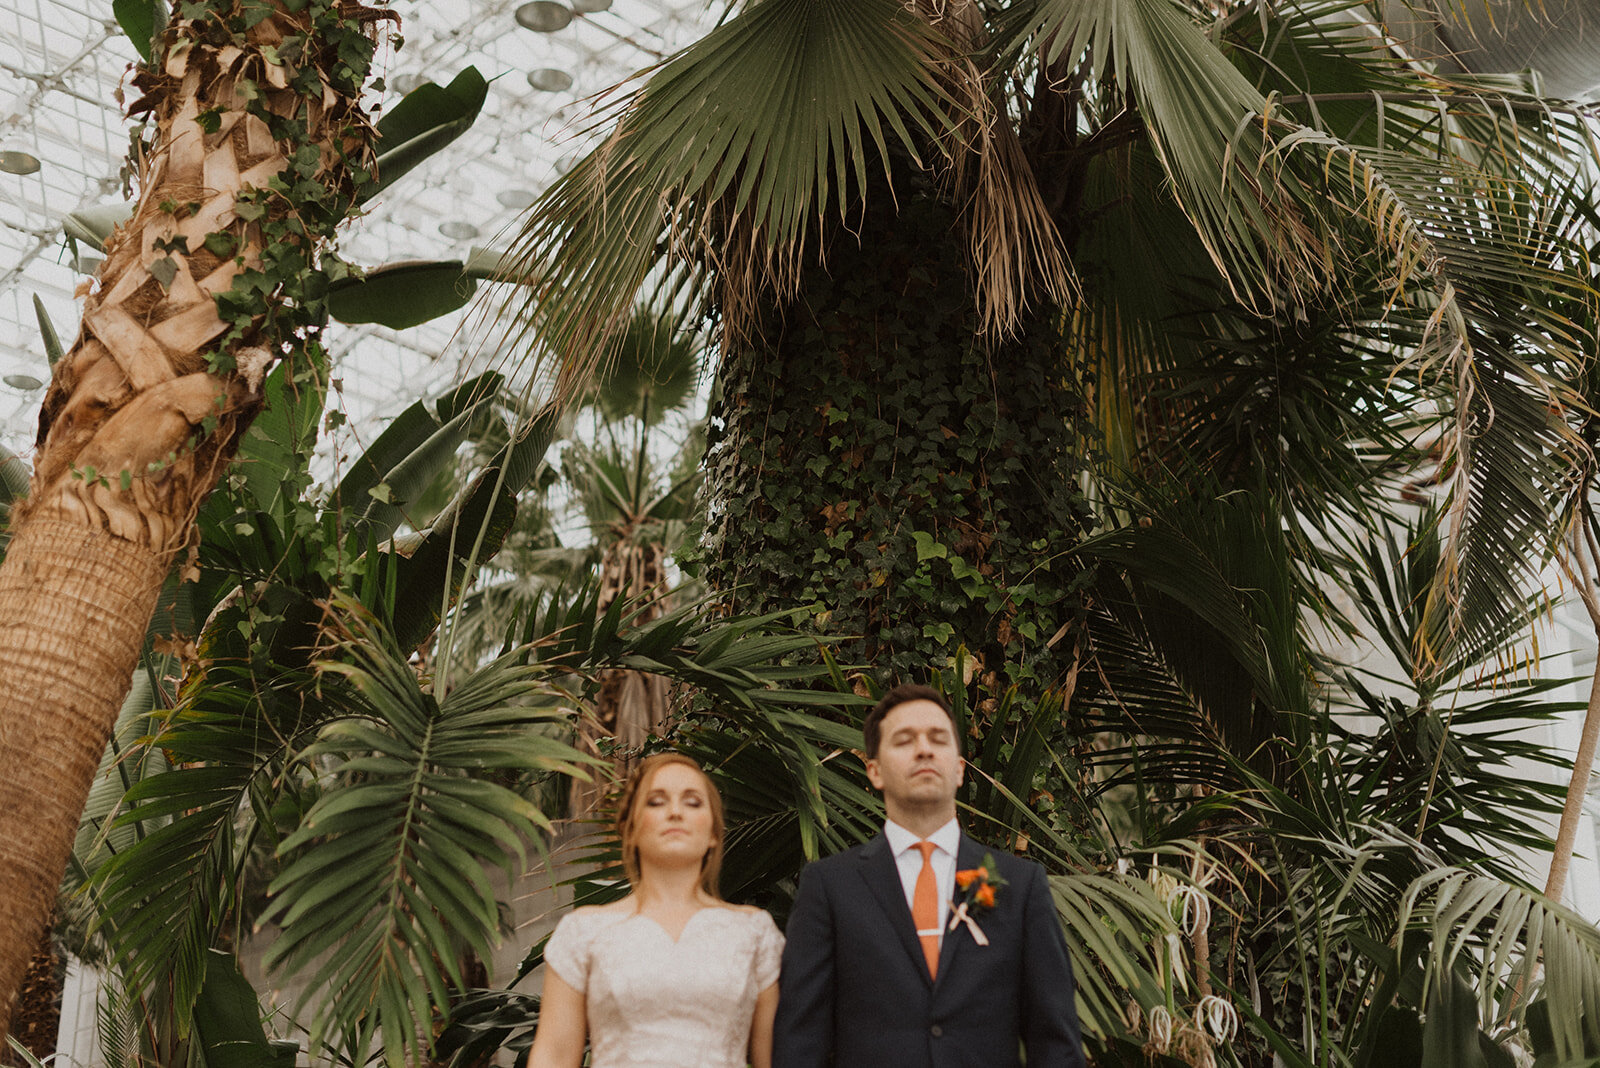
x,y
257,144
631,705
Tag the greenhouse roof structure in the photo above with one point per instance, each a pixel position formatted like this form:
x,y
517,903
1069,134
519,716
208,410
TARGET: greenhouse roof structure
x,y
64,67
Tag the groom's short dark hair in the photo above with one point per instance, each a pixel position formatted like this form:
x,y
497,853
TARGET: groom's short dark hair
x,y
899,695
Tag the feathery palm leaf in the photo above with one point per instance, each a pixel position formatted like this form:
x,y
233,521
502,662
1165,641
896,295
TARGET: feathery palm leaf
x,y
163,899
1507,930
1473,256
386,873
1199,643
1113,924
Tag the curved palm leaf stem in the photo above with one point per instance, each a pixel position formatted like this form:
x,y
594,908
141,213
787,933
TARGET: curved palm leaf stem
x,y
1581,549
1201,939
448,631
1433,774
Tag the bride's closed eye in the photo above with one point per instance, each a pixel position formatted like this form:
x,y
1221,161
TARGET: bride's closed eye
x,y
657,800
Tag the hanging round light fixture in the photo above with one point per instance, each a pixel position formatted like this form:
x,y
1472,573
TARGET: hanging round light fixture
x,y
516,199
16,161
544,16
550,80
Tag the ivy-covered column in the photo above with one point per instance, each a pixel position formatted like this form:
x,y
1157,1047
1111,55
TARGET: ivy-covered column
x,y
252,152
916,488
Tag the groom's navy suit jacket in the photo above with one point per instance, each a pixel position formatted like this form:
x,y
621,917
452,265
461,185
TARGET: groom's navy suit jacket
x,y
855,990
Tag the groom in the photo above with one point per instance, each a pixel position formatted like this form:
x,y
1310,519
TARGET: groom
x,y
866,985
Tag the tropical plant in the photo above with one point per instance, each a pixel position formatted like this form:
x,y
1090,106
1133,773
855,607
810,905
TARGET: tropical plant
x,y
199,295
1236,291
1217,284
163,384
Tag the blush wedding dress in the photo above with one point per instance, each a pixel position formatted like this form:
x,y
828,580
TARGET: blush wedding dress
x,y
653,1002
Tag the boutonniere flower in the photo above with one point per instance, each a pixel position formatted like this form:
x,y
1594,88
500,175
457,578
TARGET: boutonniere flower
x,y
978,888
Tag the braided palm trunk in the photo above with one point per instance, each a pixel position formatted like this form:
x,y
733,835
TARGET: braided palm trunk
x,y
148,408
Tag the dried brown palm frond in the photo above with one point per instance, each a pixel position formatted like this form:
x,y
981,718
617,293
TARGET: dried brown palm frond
x,y
1015,249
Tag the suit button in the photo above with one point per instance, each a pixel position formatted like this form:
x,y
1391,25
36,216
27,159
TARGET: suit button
x,y
936,1031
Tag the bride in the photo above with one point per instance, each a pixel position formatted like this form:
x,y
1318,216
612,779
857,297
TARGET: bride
x,y
671,976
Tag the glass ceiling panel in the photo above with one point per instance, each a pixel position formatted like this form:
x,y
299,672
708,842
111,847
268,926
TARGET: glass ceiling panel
x,y
62,63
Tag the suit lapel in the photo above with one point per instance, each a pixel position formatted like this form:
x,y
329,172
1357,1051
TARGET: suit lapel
x,y
882,877
969,854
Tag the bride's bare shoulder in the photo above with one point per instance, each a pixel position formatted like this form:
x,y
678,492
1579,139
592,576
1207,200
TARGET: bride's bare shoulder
x,y
743,910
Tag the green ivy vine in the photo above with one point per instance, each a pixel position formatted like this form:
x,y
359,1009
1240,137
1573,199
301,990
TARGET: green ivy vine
x,y
913,488
303,76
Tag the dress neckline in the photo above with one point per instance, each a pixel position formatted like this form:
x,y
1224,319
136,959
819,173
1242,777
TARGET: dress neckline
x,y
658,925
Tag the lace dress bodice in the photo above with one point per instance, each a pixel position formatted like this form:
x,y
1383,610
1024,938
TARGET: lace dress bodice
x,y
656,1003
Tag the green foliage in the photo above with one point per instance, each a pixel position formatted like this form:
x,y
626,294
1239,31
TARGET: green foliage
x,y
402,295
47,332
425,121
714,126
911,487
142,21
385,877
228,1020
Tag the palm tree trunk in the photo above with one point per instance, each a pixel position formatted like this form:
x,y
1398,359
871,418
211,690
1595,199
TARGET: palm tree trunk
x,y
1581,551
74,603
1577,789
631,705
38,1015
914,483
147,410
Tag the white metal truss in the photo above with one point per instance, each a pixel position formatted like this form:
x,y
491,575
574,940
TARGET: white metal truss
x,y
62,63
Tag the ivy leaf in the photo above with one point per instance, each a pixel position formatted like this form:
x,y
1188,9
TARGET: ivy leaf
x,y
927,548
164,270
961,569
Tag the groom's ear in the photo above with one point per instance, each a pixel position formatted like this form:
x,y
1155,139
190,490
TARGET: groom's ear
x,y
874,775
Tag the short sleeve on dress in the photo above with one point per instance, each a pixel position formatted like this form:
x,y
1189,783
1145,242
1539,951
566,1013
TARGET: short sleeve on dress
x,y
769,951
567,952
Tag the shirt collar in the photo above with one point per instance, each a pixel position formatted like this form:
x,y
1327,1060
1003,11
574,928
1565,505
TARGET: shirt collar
x,y
900,839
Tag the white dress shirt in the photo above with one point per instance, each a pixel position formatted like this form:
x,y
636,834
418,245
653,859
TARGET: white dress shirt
x,y
908,859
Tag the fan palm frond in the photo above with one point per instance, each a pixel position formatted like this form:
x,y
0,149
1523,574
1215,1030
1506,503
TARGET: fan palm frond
x,y
763,127
1201,115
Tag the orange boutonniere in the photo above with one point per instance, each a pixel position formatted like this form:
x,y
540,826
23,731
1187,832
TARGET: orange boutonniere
x,y
979,886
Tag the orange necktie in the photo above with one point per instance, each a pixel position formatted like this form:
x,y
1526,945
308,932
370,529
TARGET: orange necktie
x,y
925,909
